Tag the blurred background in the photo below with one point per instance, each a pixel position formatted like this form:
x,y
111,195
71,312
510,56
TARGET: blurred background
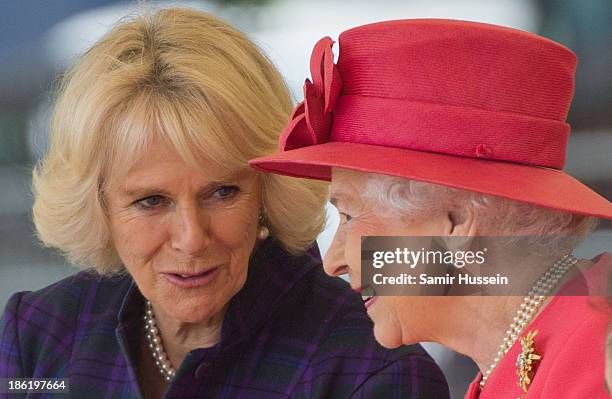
x,y
39,39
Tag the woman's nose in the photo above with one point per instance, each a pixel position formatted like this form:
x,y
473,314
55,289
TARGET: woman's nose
x,y
190,233
334,262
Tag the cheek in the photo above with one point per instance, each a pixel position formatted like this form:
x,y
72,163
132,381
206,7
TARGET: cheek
x,y
233,235
354,233
236,234
137,238
234,231
352,253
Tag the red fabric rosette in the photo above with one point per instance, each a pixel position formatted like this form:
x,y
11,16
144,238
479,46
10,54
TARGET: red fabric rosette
x,y
311,120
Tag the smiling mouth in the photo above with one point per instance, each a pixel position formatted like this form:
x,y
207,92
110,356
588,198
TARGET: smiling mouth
x,y
368,296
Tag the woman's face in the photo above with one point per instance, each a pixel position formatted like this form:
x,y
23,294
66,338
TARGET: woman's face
x,y
185,235
397,319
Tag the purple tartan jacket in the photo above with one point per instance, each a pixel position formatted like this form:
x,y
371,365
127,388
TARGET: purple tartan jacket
x,y
291,332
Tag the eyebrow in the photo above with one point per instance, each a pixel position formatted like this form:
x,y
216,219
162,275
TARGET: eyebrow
x,y
336,196
137,190
140,191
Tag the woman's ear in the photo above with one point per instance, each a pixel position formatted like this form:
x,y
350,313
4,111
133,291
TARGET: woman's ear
x,y
461,222
460,229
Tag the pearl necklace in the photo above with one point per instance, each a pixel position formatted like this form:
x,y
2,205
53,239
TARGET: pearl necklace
x,y
155,344
530,306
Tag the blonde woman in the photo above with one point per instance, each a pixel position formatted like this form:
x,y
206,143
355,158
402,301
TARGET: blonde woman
x,y
203,281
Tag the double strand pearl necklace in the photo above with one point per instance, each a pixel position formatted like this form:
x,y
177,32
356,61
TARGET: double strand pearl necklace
x,y
155,344
530,306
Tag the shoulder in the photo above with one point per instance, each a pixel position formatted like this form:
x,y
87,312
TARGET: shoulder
x,y
39,325
577,348
346,359
65,297
325,302
587,325
296,286
318,324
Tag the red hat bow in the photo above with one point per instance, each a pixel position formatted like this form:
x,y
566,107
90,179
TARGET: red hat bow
x,y
311,120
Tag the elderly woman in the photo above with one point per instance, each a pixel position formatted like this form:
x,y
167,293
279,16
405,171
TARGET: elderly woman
x,y
449,129
202,283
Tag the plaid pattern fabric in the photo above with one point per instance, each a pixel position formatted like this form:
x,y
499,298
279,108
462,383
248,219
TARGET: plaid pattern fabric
x,y
291,332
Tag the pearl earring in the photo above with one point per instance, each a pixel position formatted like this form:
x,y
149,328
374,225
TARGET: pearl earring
x,y
262,232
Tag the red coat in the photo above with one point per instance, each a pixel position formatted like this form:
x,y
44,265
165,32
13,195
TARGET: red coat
x,y
571,339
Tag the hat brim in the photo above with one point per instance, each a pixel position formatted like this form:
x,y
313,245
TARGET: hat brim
x,y
550,188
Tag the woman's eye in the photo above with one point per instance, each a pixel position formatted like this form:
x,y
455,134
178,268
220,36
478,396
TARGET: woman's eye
x,y
226,192
344,218
152,202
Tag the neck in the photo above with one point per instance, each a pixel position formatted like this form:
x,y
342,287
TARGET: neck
x,y
179,337
476,325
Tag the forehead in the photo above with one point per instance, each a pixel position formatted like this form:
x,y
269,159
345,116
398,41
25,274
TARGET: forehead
x,y
161,163
154,128
346,185
161,153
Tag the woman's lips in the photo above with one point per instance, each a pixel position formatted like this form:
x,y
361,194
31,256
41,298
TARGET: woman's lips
x,y
191,280
368,295
370,301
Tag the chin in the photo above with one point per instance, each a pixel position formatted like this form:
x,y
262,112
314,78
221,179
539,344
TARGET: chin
x,y
191,317
387,337
190,311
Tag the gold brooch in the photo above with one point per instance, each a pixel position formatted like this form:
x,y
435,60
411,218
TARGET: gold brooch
x,y
525,360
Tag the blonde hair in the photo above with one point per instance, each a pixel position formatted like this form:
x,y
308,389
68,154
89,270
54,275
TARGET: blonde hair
x,y
189,79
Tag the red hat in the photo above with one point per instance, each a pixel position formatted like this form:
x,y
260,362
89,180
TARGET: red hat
x,y
468,105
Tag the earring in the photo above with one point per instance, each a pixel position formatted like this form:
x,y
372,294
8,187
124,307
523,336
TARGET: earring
x,y
262,232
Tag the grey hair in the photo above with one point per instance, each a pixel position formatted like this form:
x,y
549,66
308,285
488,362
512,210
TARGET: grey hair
x,y
550,231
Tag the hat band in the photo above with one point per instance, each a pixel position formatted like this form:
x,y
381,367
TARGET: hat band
x,y
454,130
